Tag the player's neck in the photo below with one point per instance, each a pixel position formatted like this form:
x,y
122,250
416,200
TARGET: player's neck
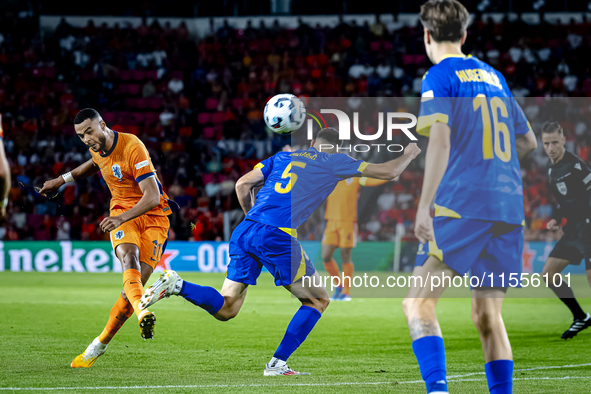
x,y
559,157
441,51
110,140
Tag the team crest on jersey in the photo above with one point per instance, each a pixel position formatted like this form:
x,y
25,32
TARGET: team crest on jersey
x,y
117,171
119,234
349,181
561,186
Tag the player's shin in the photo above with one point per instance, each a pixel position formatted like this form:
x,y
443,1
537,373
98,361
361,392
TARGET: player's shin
x,y
204,297
120,312
430,354
333,270
298,329
132,284
348,269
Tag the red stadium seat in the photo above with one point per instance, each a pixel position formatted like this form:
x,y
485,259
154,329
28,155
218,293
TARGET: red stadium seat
x,y
125,75
155,103
151,117
211,103
138,117
133,89
109,117
238,103
131,103
217,117
151,74
203,118
138,75
142,103
208,133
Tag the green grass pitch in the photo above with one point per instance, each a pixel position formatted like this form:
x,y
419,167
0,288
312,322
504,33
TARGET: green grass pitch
x,y
47,319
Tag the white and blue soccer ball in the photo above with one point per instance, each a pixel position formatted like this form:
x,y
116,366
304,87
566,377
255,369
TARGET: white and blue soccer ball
x,y
284,113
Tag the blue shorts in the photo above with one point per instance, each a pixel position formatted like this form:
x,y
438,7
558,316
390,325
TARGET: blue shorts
x,y
478,246
254,245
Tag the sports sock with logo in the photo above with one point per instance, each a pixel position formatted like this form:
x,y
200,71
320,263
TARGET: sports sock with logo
x,y
132,284
297,331
348,269
566,295
204,297
333,270
499,375
120,312
430,354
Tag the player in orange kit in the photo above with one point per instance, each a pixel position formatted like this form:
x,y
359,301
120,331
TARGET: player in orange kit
x,y
138,222
341,231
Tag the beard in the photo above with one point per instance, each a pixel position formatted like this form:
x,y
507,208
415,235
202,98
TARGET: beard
x,y
102,143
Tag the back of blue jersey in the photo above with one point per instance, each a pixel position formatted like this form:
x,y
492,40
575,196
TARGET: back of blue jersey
x,y
483,176
297,183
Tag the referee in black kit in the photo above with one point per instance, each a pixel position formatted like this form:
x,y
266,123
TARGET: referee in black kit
x,y
569,180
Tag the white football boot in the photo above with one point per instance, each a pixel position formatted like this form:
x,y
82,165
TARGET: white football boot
x,y
92,352
169,283
282,370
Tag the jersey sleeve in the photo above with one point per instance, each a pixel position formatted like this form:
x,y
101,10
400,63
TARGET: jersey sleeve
x,y
585,174
346,167
436,101
139,162
266,166
520,122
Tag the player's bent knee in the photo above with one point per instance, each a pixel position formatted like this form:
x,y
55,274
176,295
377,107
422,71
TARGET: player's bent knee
x,y
486,321
413,306
320,304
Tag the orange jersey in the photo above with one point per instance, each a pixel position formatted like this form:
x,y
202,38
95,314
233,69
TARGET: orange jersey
x,y
123,167
342,202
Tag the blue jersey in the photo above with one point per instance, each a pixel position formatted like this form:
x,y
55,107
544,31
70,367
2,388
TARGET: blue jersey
x,y
297,183
483,177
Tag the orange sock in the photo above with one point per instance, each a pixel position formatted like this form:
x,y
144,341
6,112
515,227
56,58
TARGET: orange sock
x,y
132,283
348,269
333,269
120,312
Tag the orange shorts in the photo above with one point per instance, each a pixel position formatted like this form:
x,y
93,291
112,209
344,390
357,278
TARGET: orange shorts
x,y
340,233
149,233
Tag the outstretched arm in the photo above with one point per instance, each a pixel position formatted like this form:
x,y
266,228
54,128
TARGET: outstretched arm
x,y
84,170
245,188
435,166
5,179
149,201
393,168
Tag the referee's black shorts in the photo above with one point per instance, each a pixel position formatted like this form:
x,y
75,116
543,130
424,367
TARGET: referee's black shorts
x,y
575,246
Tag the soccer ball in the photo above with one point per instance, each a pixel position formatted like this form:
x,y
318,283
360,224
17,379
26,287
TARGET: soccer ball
x,y
284,113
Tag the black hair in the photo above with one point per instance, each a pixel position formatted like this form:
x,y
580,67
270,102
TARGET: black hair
x,y
86,113
552,127
329,134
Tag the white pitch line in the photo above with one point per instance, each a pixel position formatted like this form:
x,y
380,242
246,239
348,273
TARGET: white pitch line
x,y
524,369
451,379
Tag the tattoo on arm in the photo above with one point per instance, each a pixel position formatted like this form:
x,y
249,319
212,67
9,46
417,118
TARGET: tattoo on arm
x,y
423,327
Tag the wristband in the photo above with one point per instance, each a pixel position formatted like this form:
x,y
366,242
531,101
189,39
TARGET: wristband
x,y
68,177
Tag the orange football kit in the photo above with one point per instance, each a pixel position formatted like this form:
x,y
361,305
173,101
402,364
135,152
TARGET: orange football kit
x,y
123,167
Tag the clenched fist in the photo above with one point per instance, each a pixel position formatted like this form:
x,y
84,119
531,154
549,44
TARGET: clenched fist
x,y
412,150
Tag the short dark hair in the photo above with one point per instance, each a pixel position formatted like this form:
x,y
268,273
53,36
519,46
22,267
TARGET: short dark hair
x,y
446,20
86,113
329,134
552,127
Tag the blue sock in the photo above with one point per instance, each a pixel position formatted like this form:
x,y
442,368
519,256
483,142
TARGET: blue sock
x,y
298,329
204,297
430,354
499,375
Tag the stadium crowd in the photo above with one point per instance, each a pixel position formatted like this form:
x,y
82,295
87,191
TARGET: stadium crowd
x,y
197,105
